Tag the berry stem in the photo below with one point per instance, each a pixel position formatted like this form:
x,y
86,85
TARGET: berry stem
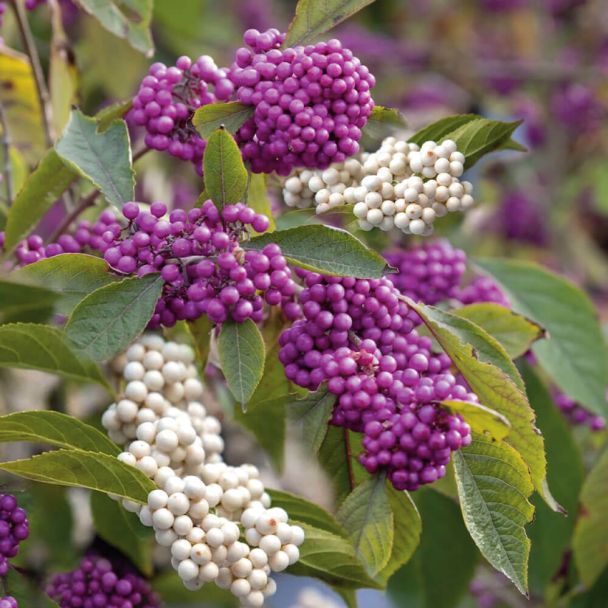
x,y
349,459
85,202
41,89
6,145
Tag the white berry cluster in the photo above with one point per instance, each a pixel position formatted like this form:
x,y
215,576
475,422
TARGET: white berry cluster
x,y
216,519
311,598
408,188
401,186
324,190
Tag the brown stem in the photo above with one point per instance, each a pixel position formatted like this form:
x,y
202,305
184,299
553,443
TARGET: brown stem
x,y
7,170
349,459
85,202
30,48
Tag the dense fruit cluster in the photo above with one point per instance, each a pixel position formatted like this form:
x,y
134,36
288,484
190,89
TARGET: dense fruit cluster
x,y
198,255
407,187
433,273
358,336
8,601
577,415
310,102
14,529
202,507
167,99
399,186
99,583
323,189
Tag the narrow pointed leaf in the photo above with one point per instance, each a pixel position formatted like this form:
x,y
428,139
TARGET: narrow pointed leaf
x,y
312,413
324,249
55,428
312,18
44,348
516,333
103,158
80,469
494,486
44,186
110,318
72,275
494,379
367,516
225,173
242,353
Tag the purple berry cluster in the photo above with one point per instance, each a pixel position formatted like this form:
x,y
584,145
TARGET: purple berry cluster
x,y
198,255
14,529
98,583
8,601
310,102
433,273
520,218
167,99
430,273
359,337
577,415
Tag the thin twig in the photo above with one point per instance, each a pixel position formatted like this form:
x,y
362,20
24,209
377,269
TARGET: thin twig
x,y
85,202
7,170
30,48
349,459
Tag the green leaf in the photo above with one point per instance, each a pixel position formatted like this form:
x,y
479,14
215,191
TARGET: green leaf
x,y
20,298
225,173
407,530
551,533
266,410
595,597
54,428
574,355
103,158
324,249
43,187
128,19
312,413
303,510
442,527
381,123
242,352
32,346
474,135
367,516
171,589
108,114
493,487
27,592
91,470
591,534
330,558
111,317
200,330
43,504
333,459
123,530
257,198
231,115
516,333
481,418
312,18
494,379
72,275
441,129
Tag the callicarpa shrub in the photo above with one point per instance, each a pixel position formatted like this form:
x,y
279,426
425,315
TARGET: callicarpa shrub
x,y
284,339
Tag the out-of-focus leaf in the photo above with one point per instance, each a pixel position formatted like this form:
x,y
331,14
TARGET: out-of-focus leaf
x,y
257,198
